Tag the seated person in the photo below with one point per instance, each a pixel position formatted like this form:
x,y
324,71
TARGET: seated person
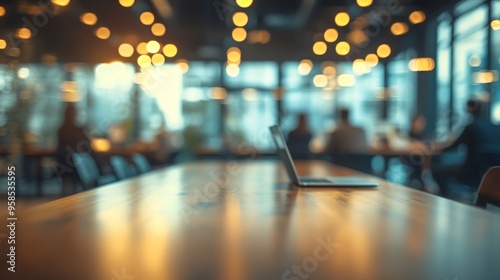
x,y
417,129
299,138
71,139
347,138
480,133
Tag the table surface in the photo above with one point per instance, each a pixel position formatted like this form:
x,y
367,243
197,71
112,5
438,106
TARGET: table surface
x,y
243,220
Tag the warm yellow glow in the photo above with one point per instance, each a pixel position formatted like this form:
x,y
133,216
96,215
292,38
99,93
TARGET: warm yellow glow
x,y
102,33
158,59
331,35
153,46
343,48
399,28
126,50
23,33
417,17
183,65
249,94
330,71
88,18
320,81
101,145
305,67
371,60
342,19
259,36
218,93
147,18
244,3
495,24
384,51
3,44
232,70
364,3
170,50
423,64
234,55
485,77
126,3
357,37
61,3
158,29
319,48
2,11
346,80
144,61
265,36
233,49
254,36
142,48
69,92
240,19
360,67
239,34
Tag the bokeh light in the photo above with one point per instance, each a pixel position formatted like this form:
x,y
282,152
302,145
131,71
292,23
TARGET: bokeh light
x,y
331,35
343,48
384,51
342,19
147,18
319,48
126,50
88,18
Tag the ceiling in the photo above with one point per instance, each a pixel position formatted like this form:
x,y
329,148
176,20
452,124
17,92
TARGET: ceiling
x,y
201,29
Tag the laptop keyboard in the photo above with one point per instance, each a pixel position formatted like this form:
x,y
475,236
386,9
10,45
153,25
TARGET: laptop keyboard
x,y
315,180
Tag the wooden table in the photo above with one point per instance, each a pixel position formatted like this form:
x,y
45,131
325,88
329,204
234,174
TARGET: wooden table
x,y
243,220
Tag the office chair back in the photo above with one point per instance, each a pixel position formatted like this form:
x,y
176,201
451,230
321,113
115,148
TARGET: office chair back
x,y
489,189
86,169
141,164
121,168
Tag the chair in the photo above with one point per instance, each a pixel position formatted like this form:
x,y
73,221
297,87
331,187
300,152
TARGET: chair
x,y
489,189
121,168
141,163
88,171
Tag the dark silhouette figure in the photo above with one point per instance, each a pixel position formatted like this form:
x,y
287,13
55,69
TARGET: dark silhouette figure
x,y
347,138
71,139
478,136
417,128
299,138
348,145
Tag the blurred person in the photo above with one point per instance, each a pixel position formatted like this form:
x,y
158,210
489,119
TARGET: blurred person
x,y
347,138
417,128
71,139
299,138
479,134
163,146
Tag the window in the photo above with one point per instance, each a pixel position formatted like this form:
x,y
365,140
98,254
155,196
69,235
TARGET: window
x,y
443,66
470,47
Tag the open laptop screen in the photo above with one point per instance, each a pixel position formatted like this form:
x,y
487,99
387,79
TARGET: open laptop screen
x,y
283,153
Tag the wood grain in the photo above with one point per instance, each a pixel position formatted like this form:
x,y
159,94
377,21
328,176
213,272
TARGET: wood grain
x,y
243,220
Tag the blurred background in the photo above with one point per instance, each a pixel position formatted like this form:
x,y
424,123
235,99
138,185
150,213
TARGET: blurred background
x,y
177,80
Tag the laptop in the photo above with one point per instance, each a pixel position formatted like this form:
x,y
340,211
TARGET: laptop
x,y
286,158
